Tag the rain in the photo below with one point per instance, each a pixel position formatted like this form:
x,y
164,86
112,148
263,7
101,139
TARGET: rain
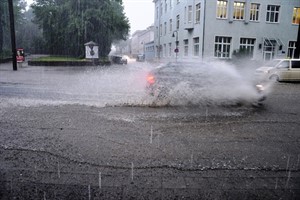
x,y
79,118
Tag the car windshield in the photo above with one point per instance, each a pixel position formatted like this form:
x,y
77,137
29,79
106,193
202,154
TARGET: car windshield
x,y
283,64
273,63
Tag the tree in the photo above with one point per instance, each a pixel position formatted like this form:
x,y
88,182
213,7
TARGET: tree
x,y
19,8
28,33
3,22
68,24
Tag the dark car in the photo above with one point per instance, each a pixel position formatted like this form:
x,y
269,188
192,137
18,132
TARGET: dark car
x,y
140,58
118,60
200,83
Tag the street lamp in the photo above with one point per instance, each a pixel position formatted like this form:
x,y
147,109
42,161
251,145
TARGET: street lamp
x,y
176,49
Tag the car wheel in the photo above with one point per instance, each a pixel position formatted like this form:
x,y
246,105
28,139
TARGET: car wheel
x,y
274,78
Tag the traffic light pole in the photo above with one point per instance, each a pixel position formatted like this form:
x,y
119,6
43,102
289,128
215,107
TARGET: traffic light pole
x,y
12,34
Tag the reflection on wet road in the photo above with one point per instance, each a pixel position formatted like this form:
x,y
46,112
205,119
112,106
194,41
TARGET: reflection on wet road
x,y
87,133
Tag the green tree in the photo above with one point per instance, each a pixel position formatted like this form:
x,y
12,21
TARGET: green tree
x,y
3,22
68,24
28,33
19,9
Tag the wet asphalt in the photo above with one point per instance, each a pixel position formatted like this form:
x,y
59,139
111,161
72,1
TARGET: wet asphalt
x,y
88,133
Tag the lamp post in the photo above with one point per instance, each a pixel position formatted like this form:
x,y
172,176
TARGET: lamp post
x,y
176,49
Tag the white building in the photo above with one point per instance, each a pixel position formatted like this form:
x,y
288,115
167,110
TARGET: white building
x,y
260,29
149,51
139,39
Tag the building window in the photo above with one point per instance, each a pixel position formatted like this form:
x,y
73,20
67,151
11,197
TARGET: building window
x,y
254,12
159,51
177,22
291,49
186,47
160,29
170,49
170,2
238,10
165,50
157,12
161,8
190,14
198,9
222,9
296,16
166,6
247,47
177,1
165,28
272,13
185,15
170,26
196,46
222,47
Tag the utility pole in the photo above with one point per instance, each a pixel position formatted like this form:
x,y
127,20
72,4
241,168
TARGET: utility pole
x,y
12,34
297,50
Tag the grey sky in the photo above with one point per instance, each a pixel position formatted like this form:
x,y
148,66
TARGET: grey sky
x,y
139,12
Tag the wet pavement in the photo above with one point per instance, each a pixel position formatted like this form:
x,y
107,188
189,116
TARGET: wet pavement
x,y
88,133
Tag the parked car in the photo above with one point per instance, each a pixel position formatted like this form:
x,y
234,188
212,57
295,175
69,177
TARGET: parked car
x,y
140,58
201,82
280,70
116,59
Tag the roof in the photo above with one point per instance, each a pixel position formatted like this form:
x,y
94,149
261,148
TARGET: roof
x,y
90,43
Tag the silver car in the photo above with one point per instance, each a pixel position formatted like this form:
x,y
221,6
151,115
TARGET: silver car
x,y
280,70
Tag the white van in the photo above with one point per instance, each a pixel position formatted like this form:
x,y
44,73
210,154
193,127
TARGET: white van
x,y
280,70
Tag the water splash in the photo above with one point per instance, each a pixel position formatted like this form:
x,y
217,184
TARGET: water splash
x,y
120,85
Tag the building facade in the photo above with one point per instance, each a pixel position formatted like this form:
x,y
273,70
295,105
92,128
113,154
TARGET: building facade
x,y
139,39
199,29
149,51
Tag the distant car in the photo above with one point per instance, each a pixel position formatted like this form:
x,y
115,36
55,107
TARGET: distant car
x,y
280,70
140,58
201,82
116,59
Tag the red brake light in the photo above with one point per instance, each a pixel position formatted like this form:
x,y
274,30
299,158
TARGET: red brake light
x,y
150,79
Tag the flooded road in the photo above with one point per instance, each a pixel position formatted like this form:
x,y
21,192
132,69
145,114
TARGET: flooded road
x,y
87,133
76,85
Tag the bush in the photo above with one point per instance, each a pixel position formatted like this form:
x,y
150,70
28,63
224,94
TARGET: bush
x,y
5,54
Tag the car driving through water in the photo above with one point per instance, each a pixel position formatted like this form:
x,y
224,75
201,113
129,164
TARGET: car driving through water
x,y
186,83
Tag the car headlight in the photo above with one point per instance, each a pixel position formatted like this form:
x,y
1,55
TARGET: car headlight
x,y
260,87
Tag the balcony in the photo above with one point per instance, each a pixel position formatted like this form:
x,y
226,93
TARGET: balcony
x,y
189,26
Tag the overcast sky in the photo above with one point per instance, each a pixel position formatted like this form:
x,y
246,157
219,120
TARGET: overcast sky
x,y
139,12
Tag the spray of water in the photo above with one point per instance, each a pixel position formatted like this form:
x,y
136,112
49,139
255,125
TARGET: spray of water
x,y
215,83
209,83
